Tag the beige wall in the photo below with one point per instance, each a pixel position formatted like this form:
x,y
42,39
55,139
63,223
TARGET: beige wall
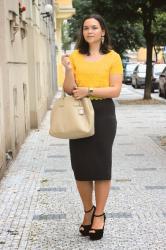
x,y
39,69
2,143
65,2
15,81
26,89
16,88
5,77
141,56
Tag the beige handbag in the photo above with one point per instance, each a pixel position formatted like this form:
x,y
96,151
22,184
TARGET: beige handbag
x,y
71,118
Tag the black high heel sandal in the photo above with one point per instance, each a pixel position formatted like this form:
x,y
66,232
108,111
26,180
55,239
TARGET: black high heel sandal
x,y
86,228
98,233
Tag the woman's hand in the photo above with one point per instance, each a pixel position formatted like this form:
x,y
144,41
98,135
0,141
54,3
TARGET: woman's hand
x,y
80,92
66,62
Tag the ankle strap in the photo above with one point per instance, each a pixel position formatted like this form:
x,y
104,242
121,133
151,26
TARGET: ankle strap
x,y
95,215
89,209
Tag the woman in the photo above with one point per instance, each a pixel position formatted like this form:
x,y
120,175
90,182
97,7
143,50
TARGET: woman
x,y
94,70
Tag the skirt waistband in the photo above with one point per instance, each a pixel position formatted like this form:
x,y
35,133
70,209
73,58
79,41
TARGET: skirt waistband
x,y
102,100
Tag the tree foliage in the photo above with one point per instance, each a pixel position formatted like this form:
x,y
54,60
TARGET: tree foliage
x,y
83,8
66,39
147,12
159,29
123,35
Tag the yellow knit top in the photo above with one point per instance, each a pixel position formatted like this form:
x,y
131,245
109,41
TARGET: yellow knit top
x,y
95,74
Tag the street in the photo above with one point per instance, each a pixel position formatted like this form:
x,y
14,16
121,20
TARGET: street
x,y
40,208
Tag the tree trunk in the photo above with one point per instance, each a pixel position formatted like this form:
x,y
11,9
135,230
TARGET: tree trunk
x,y
156,53
147,23
164,58
148,79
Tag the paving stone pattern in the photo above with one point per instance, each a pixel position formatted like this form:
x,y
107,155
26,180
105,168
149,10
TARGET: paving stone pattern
x,y
40,208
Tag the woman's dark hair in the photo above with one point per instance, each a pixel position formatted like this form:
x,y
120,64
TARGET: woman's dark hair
x,y
83,46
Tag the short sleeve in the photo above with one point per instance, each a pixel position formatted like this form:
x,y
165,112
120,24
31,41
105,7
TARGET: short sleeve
x,y
116,66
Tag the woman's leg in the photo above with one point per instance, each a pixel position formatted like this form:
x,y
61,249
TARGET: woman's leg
x,y
85,189
102,189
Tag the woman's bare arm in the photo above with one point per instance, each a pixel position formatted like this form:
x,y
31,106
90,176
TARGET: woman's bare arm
x,y
69,82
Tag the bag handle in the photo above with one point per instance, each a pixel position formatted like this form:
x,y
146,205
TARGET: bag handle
x,y
79,102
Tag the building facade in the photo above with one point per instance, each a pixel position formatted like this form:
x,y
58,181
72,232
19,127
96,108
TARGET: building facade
x,y
2,143
141,53
27,71
63,10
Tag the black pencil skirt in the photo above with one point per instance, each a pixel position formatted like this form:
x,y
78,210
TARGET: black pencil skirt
x,y
91,157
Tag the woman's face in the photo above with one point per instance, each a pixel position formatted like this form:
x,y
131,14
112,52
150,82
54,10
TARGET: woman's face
x,y
92,31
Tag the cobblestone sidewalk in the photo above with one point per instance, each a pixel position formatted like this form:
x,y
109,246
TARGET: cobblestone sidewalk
x,y
40,208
